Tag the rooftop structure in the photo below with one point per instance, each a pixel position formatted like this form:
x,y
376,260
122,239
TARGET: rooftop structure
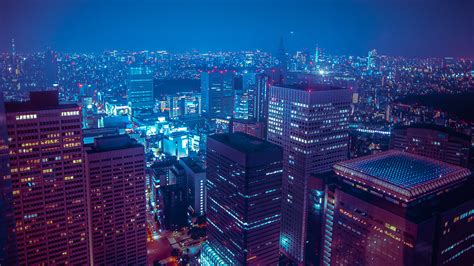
x,y
245,143
402,175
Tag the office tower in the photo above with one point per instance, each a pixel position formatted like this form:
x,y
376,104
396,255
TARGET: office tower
x,y
115,172
140,91
217,92
7,216
250,127
175,208
260,110
184,105
46,162
195,184
311,124
397,208
244,199
241,105
437,142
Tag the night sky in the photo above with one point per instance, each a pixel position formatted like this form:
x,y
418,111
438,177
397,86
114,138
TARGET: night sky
x,y
404,27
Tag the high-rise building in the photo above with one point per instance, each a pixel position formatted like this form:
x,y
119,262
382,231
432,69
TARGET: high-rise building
x,y
311,124
437,142
217,92
7,217
115,172
184,105
195,185
46,160
244,199
140,91
397,208
250,127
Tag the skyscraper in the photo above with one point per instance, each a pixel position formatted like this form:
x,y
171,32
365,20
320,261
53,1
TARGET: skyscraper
x,y
7,217
244,193
115,171
217,89
433,141
46,159
311,124
195,185
396,208
140,91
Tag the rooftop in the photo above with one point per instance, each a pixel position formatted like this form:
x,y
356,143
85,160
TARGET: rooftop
x,y
111,143
402,175
245,143
189,162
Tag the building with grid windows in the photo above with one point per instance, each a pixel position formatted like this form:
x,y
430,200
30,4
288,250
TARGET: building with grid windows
x,y
47,174
397,208
311,124
140,90
115,170
437,142
243,201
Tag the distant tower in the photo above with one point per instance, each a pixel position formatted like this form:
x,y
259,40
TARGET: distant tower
x,y
13,48
281,56
371,59
316,56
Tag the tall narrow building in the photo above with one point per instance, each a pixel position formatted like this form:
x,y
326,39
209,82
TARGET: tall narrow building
x,y
311,124
47,174
7,217
217,89
244,193
115,172
140,91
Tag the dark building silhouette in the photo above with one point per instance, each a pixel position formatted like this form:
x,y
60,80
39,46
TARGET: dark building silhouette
x,y
7,217
244,199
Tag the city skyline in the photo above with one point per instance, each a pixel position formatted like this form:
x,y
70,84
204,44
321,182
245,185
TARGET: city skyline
x,y
401,28
206,132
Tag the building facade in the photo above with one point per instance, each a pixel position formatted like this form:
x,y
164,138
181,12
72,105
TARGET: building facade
x,y
244,193
217,92
311,124
433,141
47,174
396,208
115,167
140,91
